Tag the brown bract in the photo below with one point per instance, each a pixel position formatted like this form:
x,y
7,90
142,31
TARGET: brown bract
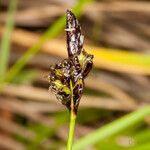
x,y
72,70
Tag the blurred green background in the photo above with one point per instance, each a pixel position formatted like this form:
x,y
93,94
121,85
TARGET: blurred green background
x,y
114,111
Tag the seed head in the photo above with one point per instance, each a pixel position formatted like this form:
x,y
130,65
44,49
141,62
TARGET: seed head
x,y
72,70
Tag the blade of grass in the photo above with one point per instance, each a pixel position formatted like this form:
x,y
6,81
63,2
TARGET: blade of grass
x,y
5,43
112,128
142,136
120,60
26,76
145,146
53,31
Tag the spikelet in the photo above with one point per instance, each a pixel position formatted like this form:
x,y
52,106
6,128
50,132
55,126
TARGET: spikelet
x,y
74,69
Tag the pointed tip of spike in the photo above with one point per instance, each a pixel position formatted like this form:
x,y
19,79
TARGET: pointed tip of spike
x,y
68,11
69,14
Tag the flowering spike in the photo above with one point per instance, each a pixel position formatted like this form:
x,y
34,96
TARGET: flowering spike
x,y
72,70
74,37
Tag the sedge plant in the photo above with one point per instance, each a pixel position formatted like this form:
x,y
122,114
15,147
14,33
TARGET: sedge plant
x,y
67,77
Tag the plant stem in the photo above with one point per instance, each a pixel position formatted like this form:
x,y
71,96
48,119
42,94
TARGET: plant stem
x,y
72,121
71,131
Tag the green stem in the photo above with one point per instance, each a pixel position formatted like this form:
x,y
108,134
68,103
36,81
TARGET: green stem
x,y
72,121
71,131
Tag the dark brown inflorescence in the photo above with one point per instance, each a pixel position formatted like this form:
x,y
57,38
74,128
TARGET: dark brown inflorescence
x,y
72,70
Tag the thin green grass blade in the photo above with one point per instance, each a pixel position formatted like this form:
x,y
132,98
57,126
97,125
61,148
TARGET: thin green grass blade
x,y
120,60
145,146
142,136
5,43
26,76
112,128
52,32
